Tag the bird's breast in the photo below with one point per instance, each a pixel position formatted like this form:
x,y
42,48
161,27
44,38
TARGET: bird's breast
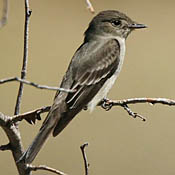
x,y
102,93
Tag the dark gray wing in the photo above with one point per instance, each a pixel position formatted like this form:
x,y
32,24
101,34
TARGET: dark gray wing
x,y
91,66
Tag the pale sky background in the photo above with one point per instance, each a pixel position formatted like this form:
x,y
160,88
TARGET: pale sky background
x,y
118,144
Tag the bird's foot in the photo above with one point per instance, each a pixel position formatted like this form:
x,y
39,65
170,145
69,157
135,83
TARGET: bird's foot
x,y
106,104
85,108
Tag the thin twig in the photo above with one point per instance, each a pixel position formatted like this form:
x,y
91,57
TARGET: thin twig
x,y
152,101
108,104
31,116
25,56
133,114
89,6
86,164
6,80
46,168
4,17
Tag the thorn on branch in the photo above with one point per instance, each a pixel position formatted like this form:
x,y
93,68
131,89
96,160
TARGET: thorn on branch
x,y
86,164
5,147
29,12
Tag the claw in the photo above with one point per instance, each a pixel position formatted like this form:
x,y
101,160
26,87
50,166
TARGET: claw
x,y
85,108
106,104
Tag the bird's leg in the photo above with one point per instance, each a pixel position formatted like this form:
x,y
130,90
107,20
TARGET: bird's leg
x,y
106,104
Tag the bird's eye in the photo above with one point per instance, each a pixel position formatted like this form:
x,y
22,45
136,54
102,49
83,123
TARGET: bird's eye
x,y
116,23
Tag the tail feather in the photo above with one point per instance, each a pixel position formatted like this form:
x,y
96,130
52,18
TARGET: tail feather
x,y
62,123
65,118
55,122
41,137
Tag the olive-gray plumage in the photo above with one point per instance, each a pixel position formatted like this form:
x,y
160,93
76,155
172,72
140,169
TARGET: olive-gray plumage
x,y
91,73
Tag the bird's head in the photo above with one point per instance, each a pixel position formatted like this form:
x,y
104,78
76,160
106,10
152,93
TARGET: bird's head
x,y
111,23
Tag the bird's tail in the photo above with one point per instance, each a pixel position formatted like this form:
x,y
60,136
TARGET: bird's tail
x,y
46,129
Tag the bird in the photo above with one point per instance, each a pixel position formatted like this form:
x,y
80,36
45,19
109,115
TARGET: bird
x,y
90,75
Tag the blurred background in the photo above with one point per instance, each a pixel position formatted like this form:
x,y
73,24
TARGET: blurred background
x,y
118,144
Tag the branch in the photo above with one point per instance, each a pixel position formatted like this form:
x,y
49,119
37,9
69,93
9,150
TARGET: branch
x,y
15,140
164,101
3,20
86,164
108,104
11,129
46,168
25,56
6,80
16,146
89,6
31,116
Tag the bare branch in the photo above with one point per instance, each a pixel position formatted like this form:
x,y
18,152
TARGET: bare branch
x,y
31,116
3,20
11,129
14,136
86,164
46,168
89,6
16,146
6,80
164,101
25,56
108,104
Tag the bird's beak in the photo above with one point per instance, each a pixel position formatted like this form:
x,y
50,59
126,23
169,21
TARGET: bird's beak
x,y
137,26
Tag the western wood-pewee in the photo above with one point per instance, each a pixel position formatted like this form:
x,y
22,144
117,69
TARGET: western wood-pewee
x,y
91,73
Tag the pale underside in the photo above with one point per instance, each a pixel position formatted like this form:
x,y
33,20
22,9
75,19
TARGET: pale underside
x,y
110,82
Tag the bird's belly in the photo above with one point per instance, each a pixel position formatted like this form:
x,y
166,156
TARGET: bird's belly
x,y
109,83
102,93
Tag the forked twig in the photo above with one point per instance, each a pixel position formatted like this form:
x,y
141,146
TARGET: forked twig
x,y
108,104
133,114
86,164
